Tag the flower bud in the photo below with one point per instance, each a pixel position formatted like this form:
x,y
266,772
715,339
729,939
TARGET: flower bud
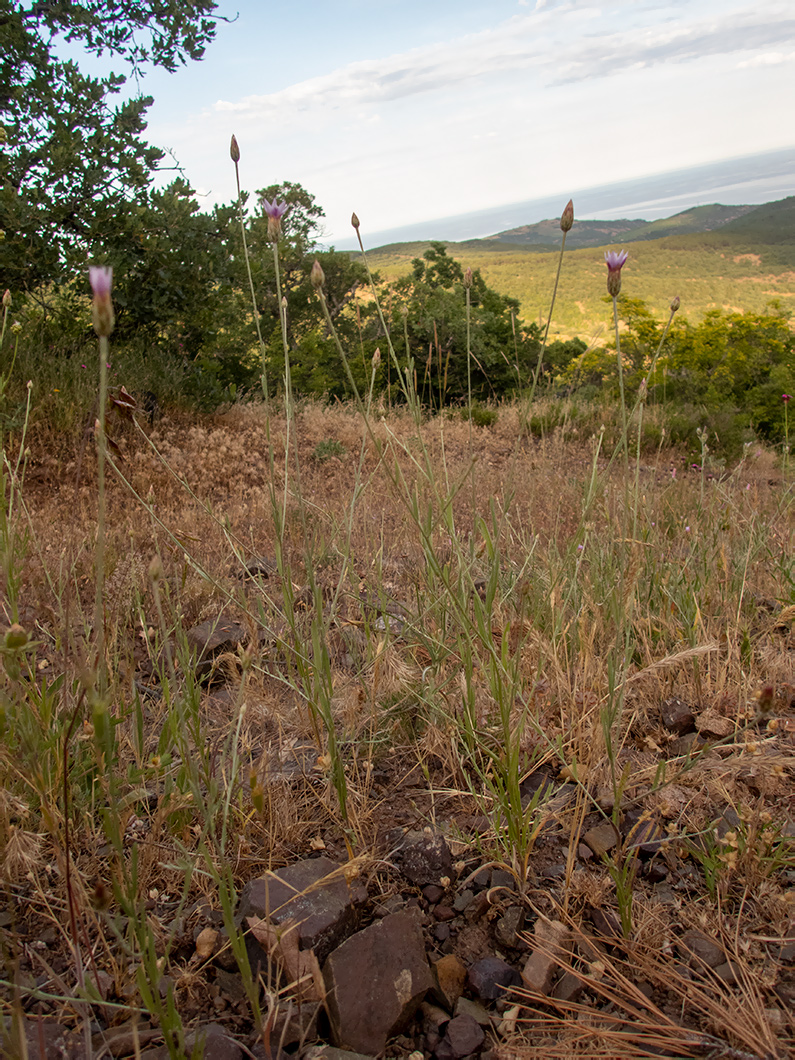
x,y
615,263
567,217
155,569
376,357
468,277
675,304
16,637
234,150
102,308
6,299
354,220
316,275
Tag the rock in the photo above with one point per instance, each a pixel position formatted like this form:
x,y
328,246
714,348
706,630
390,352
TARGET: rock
x,y
712,724
677,716
606,923
601,839
433,893
643,834
259,566
462,1036
375,982
491,978
45,1039
121,1040
451,975
465,1007
213,638
568,988
328,1052
729,972
215,1043
315,894
705,950
422,857
503,878
541,966
462,900
508,927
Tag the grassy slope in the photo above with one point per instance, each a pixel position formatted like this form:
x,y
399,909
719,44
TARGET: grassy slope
x,y
744,265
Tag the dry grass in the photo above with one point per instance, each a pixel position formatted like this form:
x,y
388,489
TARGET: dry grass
x,y
503,635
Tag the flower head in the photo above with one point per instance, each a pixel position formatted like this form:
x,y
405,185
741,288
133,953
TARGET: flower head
x,y
316,275
567,217
101,279
616,260
234,150
786,398
274,211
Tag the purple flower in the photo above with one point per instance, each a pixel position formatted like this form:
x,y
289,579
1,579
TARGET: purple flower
x,y
101,279
615,262
274,211
786,398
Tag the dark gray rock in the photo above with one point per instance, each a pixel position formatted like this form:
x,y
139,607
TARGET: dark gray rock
x,y
677,716
462,1037
316,894
491,978
213,638
216,1043
701,949
508,927
422,857
375,982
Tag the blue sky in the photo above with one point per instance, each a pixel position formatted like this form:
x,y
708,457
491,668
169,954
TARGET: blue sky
x,y
405,111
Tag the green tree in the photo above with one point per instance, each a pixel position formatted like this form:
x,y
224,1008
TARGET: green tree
x,y
73,163
430,313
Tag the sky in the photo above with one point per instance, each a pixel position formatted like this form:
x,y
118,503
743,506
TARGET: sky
x,y
405,111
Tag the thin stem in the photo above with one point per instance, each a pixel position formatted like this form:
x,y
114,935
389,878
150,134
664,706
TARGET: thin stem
x,y
99,609
263,355
621,391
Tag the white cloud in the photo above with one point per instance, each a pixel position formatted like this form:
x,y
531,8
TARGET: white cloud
x,y
551,44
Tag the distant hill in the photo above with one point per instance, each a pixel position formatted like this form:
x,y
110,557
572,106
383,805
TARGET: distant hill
x,y
547,234
733,258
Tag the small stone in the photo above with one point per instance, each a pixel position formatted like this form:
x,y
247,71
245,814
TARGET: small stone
x,y
465,1007
729,972
712,724
451,975
462,1036
481,880
444,912
569,987
503,878
375,981
705,950
541,966
508,927
213,1042
433,893
316,894
213,638
491,978
601,839
328,1052
422,857
606,923
441,932
462,900
677,716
